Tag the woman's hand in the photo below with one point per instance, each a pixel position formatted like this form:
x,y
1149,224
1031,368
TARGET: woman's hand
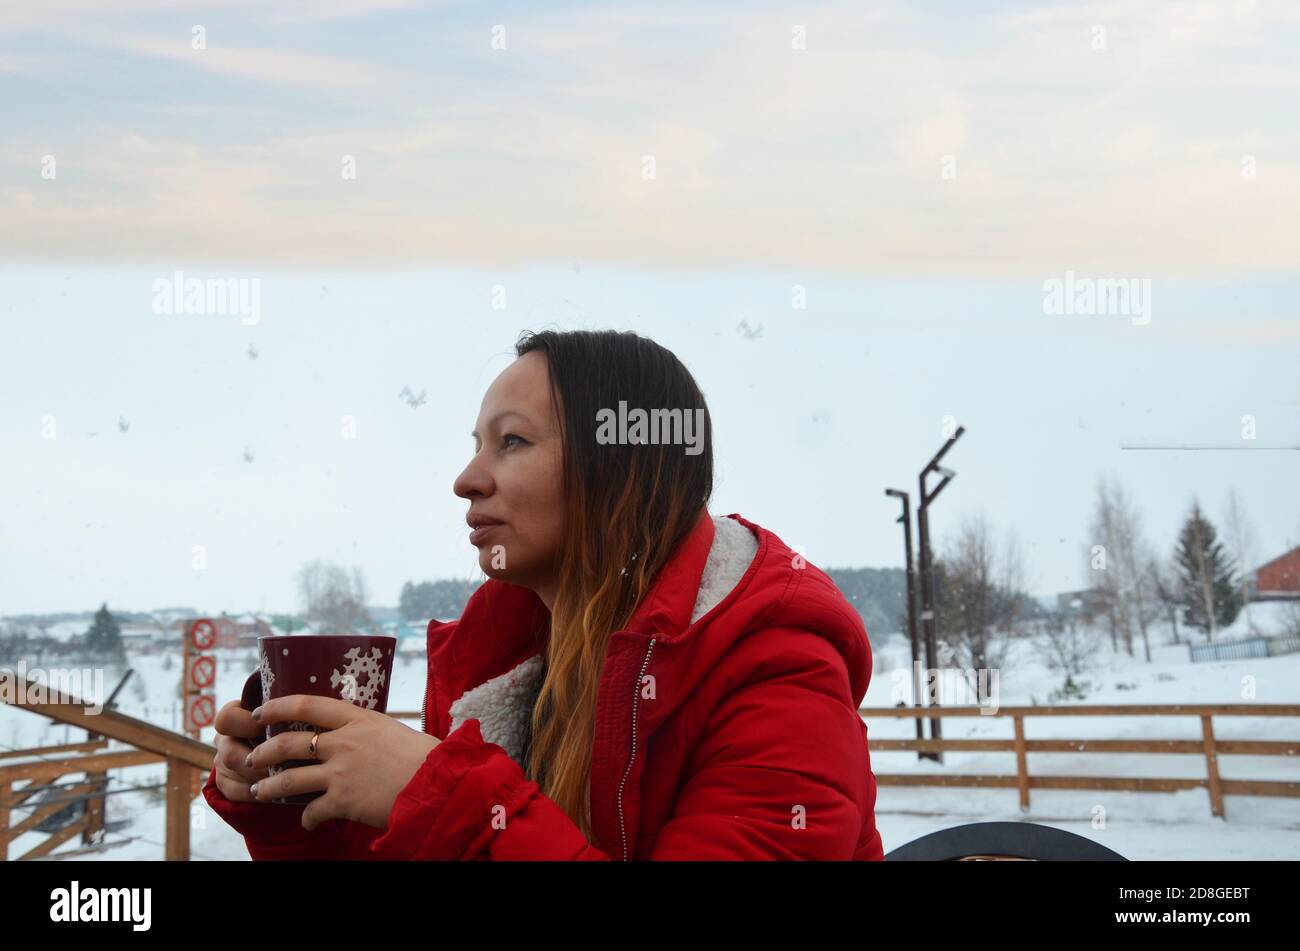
x,y
364,761
235,726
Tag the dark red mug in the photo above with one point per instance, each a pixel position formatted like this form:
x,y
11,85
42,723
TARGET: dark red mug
x,y
353,667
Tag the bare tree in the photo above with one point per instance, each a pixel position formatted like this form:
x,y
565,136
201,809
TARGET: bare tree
x,y
1011,580
334,598
1291,619
1164,585
1146,604
1066,644
978,594
1102,606
1119,555
1099,554
1241,541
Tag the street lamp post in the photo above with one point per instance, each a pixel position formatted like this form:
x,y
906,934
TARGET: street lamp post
x,y
906,519
927,580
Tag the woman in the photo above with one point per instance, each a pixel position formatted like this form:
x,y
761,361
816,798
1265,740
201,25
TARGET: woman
x,y
635,680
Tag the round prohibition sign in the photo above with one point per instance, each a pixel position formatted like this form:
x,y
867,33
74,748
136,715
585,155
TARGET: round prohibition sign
x,y
203,710
203,635
204,671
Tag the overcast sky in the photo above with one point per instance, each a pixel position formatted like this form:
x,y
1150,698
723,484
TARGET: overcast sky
x,y
674,170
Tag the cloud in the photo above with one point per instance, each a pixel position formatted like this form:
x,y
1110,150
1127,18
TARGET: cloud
x,y
285,67
56,15
1127,160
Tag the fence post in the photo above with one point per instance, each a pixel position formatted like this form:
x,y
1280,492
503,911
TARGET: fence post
x,y
1212,767
5,786
177,845
94,815
1022,765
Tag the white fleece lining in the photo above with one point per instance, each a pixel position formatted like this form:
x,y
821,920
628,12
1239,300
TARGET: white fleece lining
x,y
733,549
503,705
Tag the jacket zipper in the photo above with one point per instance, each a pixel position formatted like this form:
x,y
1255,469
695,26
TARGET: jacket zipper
x,y
636,705
424,709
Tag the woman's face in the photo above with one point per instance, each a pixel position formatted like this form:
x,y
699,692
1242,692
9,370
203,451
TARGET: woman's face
x,y
514,479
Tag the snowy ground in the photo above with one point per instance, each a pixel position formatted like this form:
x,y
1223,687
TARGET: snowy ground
x,y
1137,825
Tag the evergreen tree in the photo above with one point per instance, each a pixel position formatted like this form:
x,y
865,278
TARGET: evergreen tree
x,y
1208,588
104,637
878,594
444,599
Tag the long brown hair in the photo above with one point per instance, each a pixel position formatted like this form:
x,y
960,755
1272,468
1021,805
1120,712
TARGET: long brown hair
x,y
626,508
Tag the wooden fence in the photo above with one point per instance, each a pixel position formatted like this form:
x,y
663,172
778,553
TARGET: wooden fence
x,y
1208,746
1244,649
187,761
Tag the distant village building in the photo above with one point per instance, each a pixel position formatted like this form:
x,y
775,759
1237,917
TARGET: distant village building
x,y
1088,602
1278,579
248,629
143,638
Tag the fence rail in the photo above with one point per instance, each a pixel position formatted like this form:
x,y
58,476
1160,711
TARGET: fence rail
x,y
1242,649
1208,746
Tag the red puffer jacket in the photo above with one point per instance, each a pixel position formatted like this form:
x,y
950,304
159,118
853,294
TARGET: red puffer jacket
x,y
726,727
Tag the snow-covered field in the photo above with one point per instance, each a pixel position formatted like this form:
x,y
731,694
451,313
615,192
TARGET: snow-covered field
x,y
1137,825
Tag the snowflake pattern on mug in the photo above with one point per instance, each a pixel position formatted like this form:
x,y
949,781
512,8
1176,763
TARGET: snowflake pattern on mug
x,y
352,689
268,677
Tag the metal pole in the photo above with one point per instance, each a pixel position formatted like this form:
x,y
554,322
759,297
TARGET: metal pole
x,y
927,611
927,578
906,519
